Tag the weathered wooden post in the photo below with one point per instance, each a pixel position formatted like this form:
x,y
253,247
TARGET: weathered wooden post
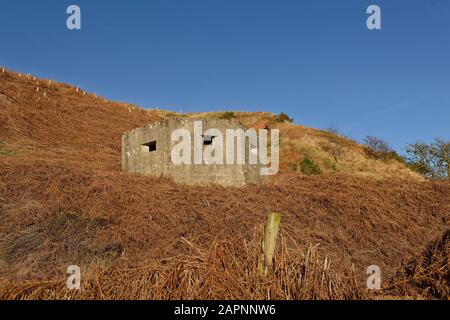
x,y
269,243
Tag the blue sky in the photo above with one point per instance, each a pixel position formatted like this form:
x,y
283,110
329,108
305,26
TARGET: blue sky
x,y
314,60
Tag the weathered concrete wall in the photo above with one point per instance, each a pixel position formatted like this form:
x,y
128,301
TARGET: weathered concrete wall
x,y
136,158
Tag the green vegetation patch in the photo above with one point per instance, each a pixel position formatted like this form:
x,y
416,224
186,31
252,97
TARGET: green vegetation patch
x,y
310,167
283,118
5,151
227,115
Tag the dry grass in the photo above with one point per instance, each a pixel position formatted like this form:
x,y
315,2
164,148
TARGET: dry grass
x,y
226,270
64,201
426,276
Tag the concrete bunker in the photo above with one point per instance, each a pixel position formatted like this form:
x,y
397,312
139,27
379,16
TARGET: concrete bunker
x,y
147,151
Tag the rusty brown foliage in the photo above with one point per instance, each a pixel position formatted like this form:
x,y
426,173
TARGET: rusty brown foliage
x,y
64,201
426,276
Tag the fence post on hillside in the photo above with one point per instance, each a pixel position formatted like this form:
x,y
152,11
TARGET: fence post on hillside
x,y
271,231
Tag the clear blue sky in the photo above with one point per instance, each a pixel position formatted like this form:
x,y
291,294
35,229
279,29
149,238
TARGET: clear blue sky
x,y
314,60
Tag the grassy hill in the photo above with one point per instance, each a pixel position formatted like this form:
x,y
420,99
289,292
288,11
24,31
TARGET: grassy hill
x,y
64,120
64,201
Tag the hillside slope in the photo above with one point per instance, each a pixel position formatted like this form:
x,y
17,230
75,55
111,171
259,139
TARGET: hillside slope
x,y
65,201
333,153
64,120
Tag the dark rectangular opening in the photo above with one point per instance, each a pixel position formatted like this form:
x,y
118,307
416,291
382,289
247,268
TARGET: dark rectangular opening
x,y
208,140
151,146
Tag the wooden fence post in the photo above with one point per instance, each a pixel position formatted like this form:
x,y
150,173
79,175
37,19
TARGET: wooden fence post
x,y
269,243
